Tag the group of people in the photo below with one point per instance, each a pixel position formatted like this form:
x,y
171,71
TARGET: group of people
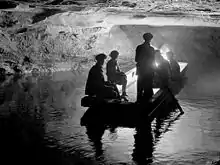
x,y
145,58
96,84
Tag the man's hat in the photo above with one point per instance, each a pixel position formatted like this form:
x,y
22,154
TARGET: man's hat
x,y
100,56
114,54
147,36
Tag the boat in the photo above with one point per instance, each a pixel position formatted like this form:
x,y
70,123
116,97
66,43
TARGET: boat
x,y
129,114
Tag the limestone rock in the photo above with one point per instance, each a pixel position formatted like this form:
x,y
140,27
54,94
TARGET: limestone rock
x,y
128,4
7,19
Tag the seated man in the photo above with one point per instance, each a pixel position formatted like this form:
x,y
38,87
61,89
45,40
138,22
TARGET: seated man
x,y
114,74
96,84
174,66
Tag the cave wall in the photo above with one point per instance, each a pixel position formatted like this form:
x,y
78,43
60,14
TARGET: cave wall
x,y
75,38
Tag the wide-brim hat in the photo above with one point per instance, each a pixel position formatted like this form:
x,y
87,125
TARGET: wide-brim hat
x,y
100,57
148,36
114,54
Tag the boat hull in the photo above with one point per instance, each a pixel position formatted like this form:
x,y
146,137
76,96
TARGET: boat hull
x,y
128,114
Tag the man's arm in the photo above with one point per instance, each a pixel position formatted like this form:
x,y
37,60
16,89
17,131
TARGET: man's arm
x,y
118,67
97,78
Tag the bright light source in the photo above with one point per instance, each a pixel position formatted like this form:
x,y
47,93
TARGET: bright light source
x,y
156,64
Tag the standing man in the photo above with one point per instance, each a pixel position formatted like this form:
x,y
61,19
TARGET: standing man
x,y
144,59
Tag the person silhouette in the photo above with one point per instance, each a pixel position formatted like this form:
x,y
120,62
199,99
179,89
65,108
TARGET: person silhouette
x,y
114,74
144,58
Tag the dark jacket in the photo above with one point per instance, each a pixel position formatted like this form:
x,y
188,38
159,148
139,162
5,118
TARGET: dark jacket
x,y
145,59
96,81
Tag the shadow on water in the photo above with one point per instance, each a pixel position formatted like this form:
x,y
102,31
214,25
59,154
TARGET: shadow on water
x,y
95,136
145,138
143,145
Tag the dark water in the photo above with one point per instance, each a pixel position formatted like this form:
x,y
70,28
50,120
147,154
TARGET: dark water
x,y
52,103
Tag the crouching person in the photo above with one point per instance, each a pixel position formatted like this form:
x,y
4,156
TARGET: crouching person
x,y
96,84
114,74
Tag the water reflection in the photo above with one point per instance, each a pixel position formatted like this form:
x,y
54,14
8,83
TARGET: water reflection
x,y
37,110
144,139
143,145
95,136
163,123
28,104
33,103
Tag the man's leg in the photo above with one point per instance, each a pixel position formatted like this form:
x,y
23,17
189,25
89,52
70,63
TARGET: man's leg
x,y
139,89
113,89
148,88
124,84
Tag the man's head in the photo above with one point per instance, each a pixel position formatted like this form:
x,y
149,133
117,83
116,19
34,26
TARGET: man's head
x,y
114,54
100,58
147,37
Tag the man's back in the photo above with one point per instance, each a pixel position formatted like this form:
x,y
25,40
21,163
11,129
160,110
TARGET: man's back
x,y
95,80
144,57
